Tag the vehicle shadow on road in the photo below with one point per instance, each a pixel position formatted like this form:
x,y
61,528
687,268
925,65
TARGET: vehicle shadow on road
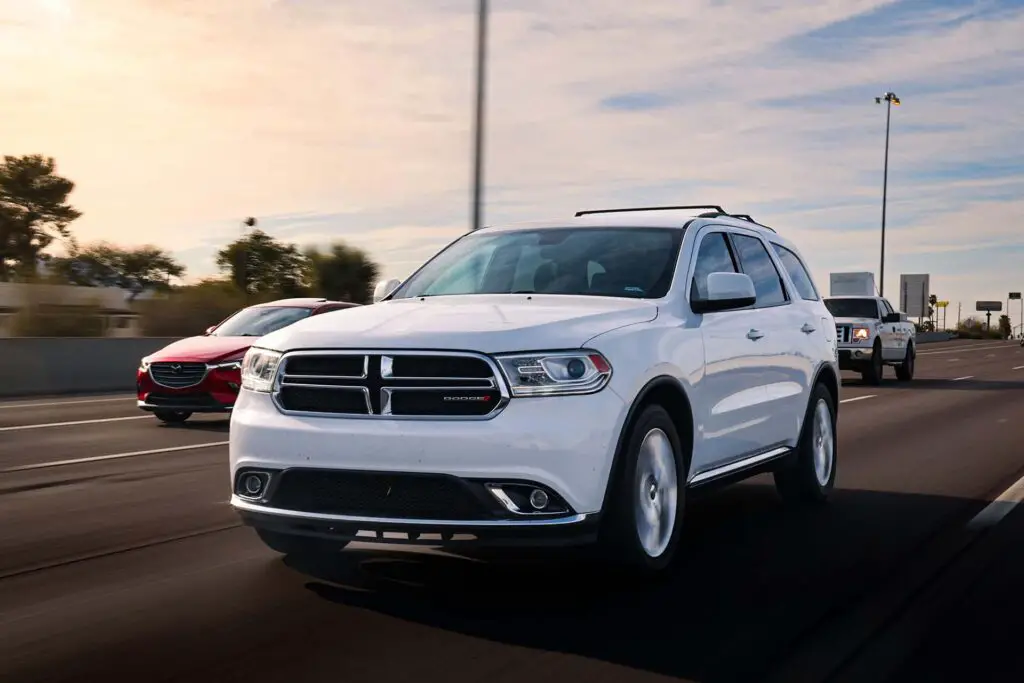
x,y
755,578
218,425
943,384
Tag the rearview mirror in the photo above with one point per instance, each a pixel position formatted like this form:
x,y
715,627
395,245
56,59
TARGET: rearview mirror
x,y
384,288
892,318
726,292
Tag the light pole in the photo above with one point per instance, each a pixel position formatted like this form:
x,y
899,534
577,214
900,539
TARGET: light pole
x,y
890,99
478,117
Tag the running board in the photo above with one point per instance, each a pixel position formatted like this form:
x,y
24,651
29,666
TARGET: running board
x,y
739,466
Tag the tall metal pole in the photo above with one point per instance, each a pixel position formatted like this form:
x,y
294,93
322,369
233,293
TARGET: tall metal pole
x,y
885,190
478,119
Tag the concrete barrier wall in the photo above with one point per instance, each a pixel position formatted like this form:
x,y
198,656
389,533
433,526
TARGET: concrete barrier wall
x,y
927,337
50,365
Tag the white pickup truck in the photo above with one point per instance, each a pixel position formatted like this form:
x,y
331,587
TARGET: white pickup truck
x,y
871,335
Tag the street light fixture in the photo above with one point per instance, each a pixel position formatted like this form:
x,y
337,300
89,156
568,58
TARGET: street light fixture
x,y
478,117
890,99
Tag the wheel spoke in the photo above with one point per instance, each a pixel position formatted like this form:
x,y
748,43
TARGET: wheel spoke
x,y
656,493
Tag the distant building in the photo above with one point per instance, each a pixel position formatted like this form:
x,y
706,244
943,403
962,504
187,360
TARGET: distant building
x,y
108,304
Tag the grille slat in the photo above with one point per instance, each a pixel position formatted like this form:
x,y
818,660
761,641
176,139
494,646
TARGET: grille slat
x,y
389,384
843,334
177,375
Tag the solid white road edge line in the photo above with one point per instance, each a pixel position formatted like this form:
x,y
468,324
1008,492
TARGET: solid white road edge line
x,y
960,379
857,398
50,404
17,428
114,456
1000,507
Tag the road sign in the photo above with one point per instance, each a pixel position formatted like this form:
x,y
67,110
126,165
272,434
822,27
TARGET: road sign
x,y
988,306
914,295
941,304
1014,296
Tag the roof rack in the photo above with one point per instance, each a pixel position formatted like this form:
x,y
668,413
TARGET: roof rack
x,y
715,212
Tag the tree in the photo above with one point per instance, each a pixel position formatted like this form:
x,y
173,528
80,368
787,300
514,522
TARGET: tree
x,y
343,273
1005,328
33,211
105,265
257,263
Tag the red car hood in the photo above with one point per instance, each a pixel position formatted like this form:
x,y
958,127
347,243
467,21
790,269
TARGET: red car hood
x,y
204,349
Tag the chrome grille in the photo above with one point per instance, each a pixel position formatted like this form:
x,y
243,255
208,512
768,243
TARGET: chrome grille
x,y
177,375
843,334
390,384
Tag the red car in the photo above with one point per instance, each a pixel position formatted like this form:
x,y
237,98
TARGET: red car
x,y
203,374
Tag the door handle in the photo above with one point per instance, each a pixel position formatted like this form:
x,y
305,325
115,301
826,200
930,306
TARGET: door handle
x,y
754,335
807,328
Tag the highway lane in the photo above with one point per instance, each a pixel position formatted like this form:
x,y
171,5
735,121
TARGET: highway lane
x,y
758,581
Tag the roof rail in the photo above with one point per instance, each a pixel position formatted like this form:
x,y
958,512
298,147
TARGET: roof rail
x,y
654,208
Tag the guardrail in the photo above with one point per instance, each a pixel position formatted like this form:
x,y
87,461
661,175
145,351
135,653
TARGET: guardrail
x,y
72,365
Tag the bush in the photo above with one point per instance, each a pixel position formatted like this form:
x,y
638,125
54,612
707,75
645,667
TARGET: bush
x,y
973,328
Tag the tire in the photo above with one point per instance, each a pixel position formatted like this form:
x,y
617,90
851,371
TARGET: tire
x,y
648,494
172,416
299,546
905,371
810,474
875,370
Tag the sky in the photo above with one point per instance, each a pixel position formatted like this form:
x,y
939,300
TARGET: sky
x,y
351,120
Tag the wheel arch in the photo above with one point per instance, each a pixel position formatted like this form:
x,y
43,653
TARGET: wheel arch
x,y
827,375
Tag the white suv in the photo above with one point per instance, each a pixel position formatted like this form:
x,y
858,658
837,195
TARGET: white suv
x,y
545,383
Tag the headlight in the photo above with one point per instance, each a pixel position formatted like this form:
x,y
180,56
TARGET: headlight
x,y
144,364
861,333
259,367
555,373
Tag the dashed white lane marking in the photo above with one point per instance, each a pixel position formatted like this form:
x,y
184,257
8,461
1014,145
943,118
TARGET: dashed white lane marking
x,y
959,379
858,398
51,404
1000,507
17,428
952,360
113,456
1019,367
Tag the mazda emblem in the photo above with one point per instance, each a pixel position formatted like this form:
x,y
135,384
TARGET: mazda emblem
x,y
176,369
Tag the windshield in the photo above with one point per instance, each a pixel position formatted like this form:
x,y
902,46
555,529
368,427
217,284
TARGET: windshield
x,y
260,320
635,263
852,308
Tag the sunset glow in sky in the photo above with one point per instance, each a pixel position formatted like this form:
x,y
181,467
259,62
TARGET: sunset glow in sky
x,y
351,119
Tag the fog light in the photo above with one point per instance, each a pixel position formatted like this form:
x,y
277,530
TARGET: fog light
x,y
254,484
538,499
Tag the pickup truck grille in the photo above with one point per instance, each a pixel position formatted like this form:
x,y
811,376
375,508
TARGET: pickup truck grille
x,y
177,375
399,384
843,334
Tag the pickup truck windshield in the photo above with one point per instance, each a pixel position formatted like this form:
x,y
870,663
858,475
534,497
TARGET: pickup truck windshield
x,y
635,263
260,320
852,308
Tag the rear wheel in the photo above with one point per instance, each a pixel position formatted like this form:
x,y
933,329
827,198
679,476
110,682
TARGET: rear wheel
x,y
808,477
646,510
873,373
905,371
172,416
300,546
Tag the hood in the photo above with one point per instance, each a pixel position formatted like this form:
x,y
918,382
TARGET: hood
x,y
863,322
486,323
204,349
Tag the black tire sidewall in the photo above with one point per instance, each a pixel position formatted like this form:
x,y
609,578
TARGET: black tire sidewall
x,y
806,446
172,416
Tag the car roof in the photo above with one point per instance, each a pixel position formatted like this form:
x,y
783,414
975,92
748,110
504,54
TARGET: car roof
x,y
653,217
303,302
853,296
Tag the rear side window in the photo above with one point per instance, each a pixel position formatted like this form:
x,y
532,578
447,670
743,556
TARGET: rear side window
x,y
757,263
797,273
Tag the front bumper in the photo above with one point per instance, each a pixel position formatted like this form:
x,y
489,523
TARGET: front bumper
x,y
564,445
216,393
854,358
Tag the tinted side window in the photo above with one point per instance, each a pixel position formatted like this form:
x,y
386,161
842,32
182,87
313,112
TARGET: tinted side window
x,y
714,256
797,273
757,263
887,307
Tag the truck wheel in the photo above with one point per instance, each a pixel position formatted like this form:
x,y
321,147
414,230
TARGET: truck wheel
x,y
299,546
874,372
905,371
809,475
172,416
646,507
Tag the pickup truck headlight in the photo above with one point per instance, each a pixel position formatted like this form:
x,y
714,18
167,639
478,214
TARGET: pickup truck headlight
x,y
555,373
259,367
861,333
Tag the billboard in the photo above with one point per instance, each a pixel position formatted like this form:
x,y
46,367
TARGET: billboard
x,y
851,284
988,306
914,291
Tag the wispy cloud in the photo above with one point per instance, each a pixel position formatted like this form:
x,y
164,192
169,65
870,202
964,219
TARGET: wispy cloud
x,y
351,120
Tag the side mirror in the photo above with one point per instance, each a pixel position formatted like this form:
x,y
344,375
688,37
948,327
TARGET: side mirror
x,y
384,288
726,292
892,318
210,329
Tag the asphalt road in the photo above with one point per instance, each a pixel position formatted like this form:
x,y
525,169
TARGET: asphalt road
x,y
126,563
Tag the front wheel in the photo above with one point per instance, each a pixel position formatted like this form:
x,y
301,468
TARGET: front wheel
x,y
646,509
172,416
873,373
808,477
905,371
